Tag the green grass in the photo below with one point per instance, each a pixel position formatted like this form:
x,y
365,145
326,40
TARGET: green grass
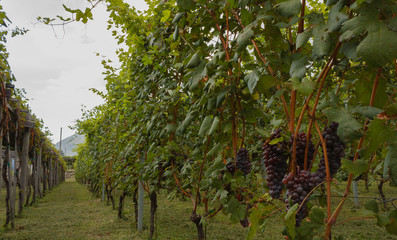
x,y
70,212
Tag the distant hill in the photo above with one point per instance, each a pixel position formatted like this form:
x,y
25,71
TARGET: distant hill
x,y
69,144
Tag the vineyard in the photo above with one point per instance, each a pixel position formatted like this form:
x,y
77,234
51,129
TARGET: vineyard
x,y
278,117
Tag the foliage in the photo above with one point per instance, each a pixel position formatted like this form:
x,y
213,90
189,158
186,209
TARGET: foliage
x,y
199,80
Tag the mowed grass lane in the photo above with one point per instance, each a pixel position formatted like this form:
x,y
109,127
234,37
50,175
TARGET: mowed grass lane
x,y
69,212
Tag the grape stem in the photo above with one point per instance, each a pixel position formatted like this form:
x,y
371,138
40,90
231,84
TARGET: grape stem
x,y
328,179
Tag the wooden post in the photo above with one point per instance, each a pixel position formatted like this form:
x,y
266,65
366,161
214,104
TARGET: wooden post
x,y
38,172
44,173
13,179
55,172
34,173
24,174
6,171
50,173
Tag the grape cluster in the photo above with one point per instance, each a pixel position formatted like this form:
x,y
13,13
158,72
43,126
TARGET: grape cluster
x,y
231,167
301,142
275,159
243,161
298,187
335,151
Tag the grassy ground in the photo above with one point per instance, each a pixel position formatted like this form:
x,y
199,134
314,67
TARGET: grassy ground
x,y
70,212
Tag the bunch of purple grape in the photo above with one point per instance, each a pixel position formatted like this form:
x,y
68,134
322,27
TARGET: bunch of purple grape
x,y
298,188
243,161
335,151
275,158
301,143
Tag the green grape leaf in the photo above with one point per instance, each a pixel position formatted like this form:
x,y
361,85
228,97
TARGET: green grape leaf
x,y
392,226
354,27
303,37
372,206
317,215
186,123
244,38
348,125
289,7
367,111
321,40
380,45
335,17
305,87
254,220
356,168
290,221
251,79
205,126
166,15
194,61
214,125
298,65
390,164
177,17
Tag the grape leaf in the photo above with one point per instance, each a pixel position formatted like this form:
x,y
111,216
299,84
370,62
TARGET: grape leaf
x,y
298,65
321,40
205,126
289,8
335,17
214,125
194,61
356,168
317,215
380,45
251,79
303,37
290,221
348,125
367,111
390,164
305,87
354,27
372,206
244,38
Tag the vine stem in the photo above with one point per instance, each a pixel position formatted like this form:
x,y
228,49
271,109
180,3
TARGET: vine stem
x,y
200,174
350,219
292,126
334,216
177,182
328,179
302,20
278,209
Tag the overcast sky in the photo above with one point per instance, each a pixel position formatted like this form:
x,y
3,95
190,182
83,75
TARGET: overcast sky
x,y
57,68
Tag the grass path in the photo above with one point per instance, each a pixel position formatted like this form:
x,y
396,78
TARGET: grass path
x,y
69,212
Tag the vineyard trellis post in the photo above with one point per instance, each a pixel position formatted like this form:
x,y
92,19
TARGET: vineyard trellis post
x,y
50,173
24,165
38,172
45,177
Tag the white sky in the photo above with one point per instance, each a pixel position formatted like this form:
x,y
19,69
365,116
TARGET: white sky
x,y
57,69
